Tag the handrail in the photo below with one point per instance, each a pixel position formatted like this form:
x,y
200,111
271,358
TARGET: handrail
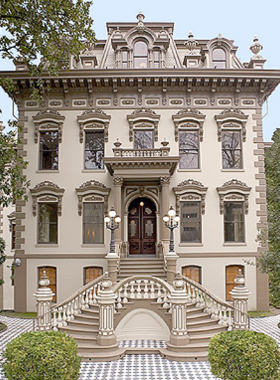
x,y
120,284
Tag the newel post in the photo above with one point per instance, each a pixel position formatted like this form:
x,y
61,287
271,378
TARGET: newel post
x,y
240,295
179,299
44,296
106,302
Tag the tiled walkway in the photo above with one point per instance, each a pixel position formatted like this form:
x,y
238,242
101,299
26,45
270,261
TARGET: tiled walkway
x,y
141,367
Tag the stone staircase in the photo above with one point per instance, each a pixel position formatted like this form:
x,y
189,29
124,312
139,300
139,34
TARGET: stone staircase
x,y
148,266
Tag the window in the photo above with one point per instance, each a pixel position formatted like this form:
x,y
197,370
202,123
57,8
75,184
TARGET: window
x,y
48,150
140,55
188,150
231,273
234,221
143,139
190,222
94,149
91,273
156,56
219,59
231,149
13,233
93,223
193,272
47,223
51,273
124,59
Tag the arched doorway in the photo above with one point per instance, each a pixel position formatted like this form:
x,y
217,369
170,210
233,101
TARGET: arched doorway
x,y
142,227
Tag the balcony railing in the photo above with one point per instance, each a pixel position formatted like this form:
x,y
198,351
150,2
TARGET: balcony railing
x,y
163,151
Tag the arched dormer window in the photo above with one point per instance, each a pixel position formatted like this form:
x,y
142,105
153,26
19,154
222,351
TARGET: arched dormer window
x,y
140,55
219,59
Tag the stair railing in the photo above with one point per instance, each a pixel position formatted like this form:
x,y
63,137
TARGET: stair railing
x,y
64,312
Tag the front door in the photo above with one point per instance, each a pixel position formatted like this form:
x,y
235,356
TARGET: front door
x,y
142,227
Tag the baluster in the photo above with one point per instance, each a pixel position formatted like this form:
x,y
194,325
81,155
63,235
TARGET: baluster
x,y
229,319
119,299
82,301
125,300
76,305
225,318
213,309
159,299
132,290
59,318
68,312
54,321
64,317
146,294
207,304
86,305
90,296
220,314
165,299
152,289
94,294
72,309
138,288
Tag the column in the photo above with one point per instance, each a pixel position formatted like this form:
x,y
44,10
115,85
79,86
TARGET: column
x,y
165,182
44,297
240,295
118,181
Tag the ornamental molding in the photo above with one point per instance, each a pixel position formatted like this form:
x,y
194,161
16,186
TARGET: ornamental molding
x,y
46,191
48,120
95,119
92,191
145,116
234,190
231,118
190,190
12,219
188,118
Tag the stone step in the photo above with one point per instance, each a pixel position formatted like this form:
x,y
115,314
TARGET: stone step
x,y
205,330
201,322
87,317
197,316
185,356
80,331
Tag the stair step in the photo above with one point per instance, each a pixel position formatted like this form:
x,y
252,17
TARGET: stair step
x,y
197,316
205,330
87,317
88,329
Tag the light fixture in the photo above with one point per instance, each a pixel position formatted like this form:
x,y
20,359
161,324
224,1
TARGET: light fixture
x,y
171,212
177,219
166,218
117,219
141,203
112,213
17,262
107,219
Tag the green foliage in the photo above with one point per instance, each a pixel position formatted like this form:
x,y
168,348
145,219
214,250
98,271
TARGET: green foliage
x,y
2,255
270,260
42,356
244,355
3,327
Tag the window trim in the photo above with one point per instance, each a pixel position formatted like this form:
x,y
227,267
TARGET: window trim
x,y
194,266
94,120
231,119
216,47
143,119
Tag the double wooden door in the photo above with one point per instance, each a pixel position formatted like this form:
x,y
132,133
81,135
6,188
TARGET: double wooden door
x,y
142,227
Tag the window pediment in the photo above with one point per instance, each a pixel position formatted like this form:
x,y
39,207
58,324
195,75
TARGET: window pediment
x,y
94,119
46,191
190,190
234,191
143,118
92,191
48,120
231,119
188,118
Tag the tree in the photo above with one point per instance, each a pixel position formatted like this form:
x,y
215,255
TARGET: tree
x,y
270,260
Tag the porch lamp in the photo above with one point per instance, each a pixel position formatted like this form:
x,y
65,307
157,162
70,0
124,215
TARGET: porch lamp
x,y
112,223
171,222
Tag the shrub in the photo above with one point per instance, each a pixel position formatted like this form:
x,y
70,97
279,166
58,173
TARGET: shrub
x,y
41,355
244,355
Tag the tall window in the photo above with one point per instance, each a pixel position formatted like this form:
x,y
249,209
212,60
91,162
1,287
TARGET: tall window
x,y
231,149
13,233
48,150
190,222
140,55
93,223
193,272
219,58
94,149
47,223
143,139
124,59
51,273
189,150
231,273
234,221
91,273
156,56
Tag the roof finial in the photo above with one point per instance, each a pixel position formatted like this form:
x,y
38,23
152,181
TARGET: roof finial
x,y
256,47
140,17
191,43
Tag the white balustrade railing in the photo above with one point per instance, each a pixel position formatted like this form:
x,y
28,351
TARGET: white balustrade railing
x,y
141,153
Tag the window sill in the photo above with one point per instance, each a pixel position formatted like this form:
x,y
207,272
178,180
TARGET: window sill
x,y
232,170
94,171
47,245
191,245
233,244
189,170
92,245
47,171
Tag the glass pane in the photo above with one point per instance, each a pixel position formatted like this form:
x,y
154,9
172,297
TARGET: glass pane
x,y
48,151
219,54
140,63
140,49
189,150
93,223
234,222
143,139
231,150
91,273
192,272
188,160
190,222
47,229
219,64
94,150
188,140
149,228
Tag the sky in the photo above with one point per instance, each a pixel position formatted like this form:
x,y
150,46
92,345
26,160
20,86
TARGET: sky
x,y
238,20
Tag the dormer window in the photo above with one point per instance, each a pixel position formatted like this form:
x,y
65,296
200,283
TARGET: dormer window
x,y
124,59
140,55
156,56
219,59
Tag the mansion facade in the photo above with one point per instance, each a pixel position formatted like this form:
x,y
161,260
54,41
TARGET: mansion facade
x,y
142,122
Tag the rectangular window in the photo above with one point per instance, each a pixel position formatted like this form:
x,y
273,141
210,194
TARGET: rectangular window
x,y
188,150
156,58
94,149
13,231
234,221
91,273
93,223
190,222
231,150
143,139
124,59
48,150
47,223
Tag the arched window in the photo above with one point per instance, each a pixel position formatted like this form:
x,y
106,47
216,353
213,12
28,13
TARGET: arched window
x,y
193,272
51,273
231,273
91,273
219,59
140,55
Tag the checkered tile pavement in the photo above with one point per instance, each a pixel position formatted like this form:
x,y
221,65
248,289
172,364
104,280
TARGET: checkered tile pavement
x,y
141,367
